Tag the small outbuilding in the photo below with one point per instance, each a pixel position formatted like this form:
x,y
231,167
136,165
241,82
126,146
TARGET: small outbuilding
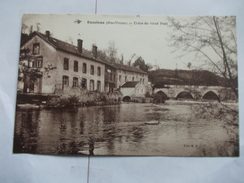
x,y
133,89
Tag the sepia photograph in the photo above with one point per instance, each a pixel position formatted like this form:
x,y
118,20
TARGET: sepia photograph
x,y
117,85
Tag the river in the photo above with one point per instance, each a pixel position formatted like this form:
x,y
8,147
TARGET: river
x,y
121,130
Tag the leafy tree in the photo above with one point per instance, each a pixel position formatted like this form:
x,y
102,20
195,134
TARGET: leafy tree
x,y
142,65
26,73
102,55
212,40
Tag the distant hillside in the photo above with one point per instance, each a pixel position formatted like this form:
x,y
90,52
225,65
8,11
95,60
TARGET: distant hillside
x,y
185,77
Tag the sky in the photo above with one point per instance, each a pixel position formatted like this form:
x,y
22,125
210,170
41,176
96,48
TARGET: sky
x,y
145,36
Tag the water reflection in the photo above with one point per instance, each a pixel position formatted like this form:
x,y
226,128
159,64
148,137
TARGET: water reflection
x,y
114,130
26,131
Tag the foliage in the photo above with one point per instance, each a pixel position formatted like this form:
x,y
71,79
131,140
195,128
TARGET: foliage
x,y
148,95
185,77
142,65
228,116
26,71
212,40
226,113
63,102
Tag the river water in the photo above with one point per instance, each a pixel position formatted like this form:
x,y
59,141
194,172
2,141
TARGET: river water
x,y
119,130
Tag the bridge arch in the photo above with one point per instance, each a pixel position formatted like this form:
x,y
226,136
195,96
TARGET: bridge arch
x,y
162,94
184,95
126,98
210,95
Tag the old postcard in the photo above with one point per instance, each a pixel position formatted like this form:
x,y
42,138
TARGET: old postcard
x,y
127,85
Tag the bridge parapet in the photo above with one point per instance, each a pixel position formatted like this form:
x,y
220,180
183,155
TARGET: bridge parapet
x,y
198,92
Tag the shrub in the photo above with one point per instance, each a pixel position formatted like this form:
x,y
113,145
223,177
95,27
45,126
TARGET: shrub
x,y
64,101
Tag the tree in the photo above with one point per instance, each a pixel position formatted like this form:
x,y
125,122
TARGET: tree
x,y
131,58
112,51
121,61
27,74
102,55
212,40
142,65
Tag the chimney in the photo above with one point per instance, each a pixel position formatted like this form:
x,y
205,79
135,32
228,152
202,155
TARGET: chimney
x,y
79,45
94,51
48,34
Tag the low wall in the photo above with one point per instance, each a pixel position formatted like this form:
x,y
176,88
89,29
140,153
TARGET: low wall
x,y
84,97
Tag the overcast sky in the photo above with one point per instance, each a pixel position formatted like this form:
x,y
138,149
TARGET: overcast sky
x,y
145,36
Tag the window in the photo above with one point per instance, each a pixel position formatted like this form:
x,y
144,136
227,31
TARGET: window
x,y
84,68
111,77
92,70
66,64
99,71
36,48
119,77
39,62
76,66
125,78
65,81
31,63
98,85
84,83
132,78
75,82
91,85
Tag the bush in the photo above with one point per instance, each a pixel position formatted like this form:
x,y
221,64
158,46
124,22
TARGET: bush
x,y
148,95
64,101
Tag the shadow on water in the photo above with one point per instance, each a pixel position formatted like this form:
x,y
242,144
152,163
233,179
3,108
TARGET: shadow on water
x,y
26,132
114,130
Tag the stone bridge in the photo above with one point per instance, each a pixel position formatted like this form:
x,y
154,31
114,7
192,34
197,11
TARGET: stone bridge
x,y
196,92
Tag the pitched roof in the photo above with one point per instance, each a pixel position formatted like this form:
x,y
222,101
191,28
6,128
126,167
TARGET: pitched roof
x,y
126,67
63,46
66,47
130,84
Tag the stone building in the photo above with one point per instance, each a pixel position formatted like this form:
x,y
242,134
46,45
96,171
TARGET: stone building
x,y
133,89
63,66
110,78
127,73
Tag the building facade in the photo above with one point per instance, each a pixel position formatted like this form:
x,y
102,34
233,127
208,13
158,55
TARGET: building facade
x,y
63,66
110,78
127,73
133,89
